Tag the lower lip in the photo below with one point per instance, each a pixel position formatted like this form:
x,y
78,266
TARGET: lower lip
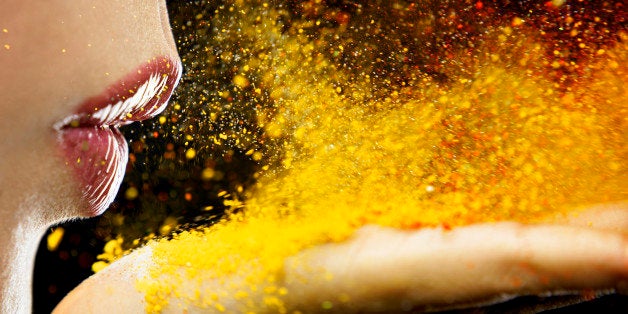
x,y
98,156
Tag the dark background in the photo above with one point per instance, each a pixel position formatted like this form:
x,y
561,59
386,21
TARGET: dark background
x,y
170,185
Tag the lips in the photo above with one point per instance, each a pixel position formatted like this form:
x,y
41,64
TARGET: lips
x,y
90,139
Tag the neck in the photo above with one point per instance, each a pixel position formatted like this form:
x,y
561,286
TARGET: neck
x,y
19,239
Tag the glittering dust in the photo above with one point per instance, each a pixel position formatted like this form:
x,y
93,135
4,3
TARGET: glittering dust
x,y
306,120
54,238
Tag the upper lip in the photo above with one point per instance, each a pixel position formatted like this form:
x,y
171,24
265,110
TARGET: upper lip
x,y
138,96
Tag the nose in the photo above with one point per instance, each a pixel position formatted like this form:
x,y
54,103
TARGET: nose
x,y
167,33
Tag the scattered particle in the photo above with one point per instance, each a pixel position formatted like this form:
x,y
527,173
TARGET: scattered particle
x,y
207,174
113,247
327,305
240,81
257,156
168,225
190,153
54,238
131,193
558,3
99,265
517,21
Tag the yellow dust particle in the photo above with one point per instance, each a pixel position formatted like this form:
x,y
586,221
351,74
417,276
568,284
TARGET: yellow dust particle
x,y
257,156
327,305
111,251
241,295
613,165
99,265
190,153
558,3
168,225
613,65
162,119
240,81
113,247
220,307
118,219
7,46
54,239
517,21
207,174
131,193
274,130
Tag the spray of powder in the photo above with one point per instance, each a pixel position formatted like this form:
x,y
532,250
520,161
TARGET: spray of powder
x,y
498,131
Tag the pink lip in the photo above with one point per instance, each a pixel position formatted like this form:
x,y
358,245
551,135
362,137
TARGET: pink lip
x,y
90,139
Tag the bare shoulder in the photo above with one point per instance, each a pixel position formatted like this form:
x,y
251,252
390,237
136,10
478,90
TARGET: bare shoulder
x,y
113,289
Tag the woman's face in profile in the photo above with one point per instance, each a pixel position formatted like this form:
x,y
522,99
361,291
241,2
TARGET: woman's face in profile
x,y
72,71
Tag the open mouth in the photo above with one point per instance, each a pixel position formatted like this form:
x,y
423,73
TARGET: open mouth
x,y
90,139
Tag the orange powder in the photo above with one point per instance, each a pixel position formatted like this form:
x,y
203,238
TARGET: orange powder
x,y
499,141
